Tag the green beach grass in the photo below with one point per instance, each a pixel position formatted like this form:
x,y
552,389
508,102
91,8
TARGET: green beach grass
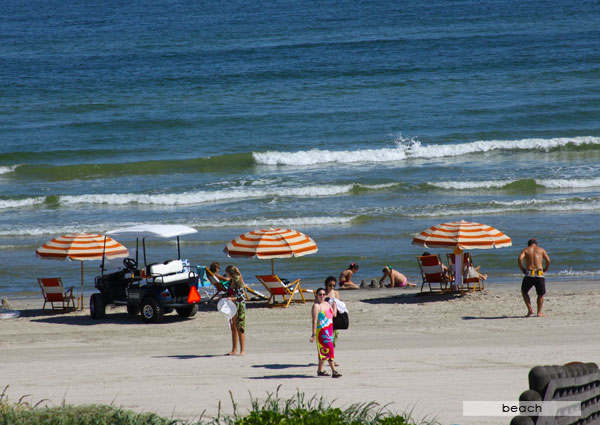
x,y
297,410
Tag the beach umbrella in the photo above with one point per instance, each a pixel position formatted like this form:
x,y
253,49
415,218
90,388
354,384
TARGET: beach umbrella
x,y
81,247
271,244
461,235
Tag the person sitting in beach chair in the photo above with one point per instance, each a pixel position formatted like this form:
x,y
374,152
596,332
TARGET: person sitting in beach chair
x,y
221,285
397,279
433,271
215,267
471,274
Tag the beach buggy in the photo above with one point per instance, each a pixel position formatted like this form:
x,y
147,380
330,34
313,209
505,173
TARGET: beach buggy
x,y
154,290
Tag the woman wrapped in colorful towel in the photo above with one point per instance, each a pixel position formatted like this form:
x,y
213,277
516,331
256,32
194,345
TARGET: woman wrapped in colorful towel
x,y
322,330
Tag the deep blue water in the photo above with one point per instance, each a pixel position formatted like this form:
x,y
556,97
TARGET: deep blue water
x,y
359,123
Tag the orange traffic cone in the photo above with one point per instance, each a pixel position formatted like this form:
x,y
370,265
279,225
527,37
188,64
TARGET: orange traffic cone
x,y
193,296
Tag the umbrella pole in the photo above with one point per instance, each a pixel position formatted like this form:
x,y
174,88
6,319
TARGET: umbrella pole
x,y
458,267
81,298
272,267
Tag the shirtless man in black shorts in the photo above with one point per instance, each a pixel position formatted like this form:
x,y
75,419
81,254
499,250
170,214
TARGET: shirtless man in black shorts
x,y
534,270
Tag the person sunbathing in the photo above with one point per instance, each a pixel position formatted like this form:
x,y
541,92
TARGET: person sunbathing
x,y
469,261
397,279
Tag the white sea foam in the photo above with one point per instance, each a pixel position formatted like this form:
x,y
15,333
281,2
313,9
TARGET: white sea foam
x,y
46,230
9,247
406,149
277,222
189,198
569,183
292,222
494,184
319,156
486,184
571,272
20,203
500,207
8,169
199,197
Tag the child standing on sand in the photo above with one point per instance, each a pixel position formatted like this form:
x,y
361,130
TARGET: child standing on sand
x,y
236,293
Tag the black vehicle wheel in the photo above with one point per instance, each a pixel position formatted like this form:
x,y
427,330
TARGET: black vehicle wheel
x,y
97,306
132,310
152,311
189,311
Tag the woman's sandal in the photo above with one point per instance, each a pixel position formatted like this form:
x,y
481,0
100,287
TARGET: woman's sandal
x,y
336,374
322,373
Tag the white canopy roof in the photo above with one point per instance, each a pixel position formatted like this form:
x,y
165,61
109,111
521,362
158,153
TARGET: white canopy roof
x,y
154,231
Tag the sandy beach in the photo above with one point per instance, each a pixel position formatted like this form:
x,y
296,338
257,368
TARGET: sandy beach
x,y
425,354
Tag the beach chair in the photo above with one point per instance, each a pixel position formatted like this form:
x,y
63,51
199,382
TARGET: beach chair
x,y
220,287
255,293
55,293
277,288
477,282
204,284
432,271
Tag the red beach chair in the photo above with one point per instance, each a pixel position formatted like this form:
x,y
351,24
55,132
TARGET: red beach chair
x,y
54,292
432,271
277,288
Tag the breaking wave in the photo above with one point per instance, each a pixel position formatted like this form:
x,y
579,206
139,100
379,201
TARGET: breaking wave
x,y
4,169
205,224
521,184
197,197
410,148
573,204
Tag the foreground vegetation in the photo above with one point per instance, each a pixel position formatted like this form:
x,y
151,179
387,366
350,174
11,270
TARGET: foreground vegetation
x,y
274,410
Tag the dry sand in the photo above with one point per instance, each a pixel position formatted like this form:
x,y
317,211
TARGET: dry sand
x,y
425,354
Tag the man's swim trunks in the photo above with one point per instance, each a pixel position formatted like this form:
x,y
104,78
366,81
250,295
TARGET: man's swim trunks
x,y
534,278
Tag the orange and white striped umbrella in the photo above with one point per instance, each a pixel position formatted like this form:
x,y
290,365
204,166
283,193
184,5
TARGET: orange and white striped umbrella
x,y
462,234
80,247
270,244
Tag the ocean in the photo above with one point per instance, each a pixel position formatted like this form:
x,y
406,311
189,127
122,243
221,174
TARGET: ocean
x,y
358,123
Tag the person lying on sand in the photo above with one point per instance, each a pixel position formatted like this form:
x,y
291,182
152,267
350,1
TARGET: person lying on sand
x,y
397,279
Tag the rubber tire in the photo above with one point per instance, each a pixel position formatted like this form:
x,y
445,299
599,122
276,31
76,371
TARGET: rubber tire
x,y
187,311
133,310
97,306
152,311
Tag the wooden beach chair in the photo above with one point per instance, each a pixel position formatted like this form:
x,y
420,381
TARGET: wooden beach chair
x,y
220,288
54,292
477,282
277,288
255,293
432,272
